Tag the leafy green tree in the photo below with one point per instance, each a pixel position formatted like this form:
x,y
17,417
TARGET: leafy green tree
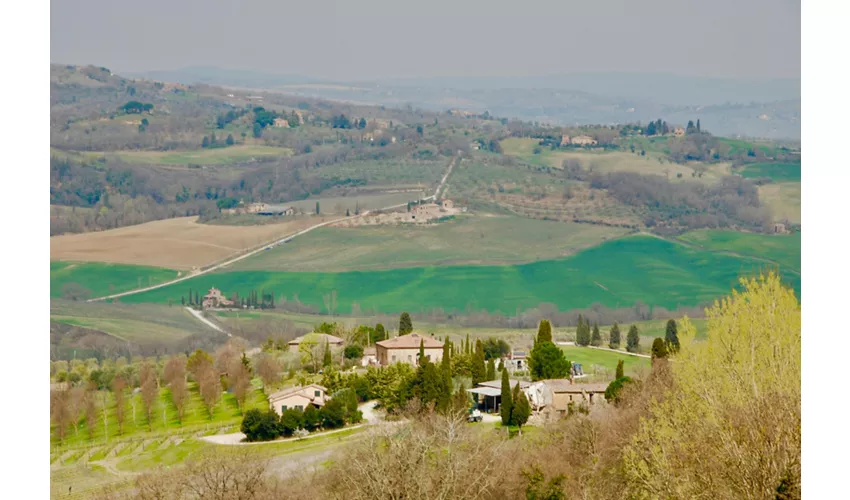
x,y
619,372
633,339
596,338
614,389
540,489
312,418
521,410
333,414
405,325
257,131
507,401
495,348
491,369
380,333
353,351
290,420
544,331
659,348
614,337
671,336
547,361
260,425
460,400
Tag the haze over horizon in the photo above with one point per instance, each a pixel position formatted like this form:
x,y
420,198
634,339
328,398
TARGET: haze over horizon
x,y
383,39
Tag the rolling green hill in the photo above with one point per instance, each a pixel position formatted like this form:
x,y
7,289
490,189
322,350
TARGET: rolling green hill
x,y
617,273
783,249
104,279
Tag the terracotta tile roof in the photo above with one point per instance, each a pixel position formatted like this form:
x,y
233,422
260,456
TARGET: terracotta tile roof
x,y
563,385
410,341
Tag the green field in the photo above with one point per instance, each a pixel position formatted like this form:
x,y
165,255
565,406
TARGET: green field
x,y
214,156
480,240
105,279
617,273
778,172
783,249
608,360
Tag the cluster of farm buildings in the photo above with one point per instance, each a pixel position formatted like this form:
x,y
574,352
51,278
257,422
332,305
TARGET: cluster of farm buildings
x,y
552,396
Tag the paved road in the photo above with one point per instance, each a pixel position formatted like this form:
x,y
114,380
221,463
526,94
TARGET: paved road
x,y
269,245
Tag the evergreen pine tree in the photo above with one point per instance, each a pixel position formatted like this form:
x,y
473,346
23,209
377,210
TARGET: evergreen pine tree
x,y
347,213
326,360
582,332
507,401
596,338
671,336
479,369
405,325
619,373
520,409
317,208
190,297
422,351
446,366
614,337
544,331
491,369
699,129
659,348
633,339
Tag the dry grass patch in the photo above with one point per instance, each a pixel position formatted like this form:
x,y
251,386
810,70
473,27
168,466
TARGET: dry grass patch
x,y
783,200
180,243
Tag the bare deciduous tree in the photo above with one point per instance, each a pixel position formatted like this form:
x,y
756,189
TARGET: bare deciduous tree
x,y
240,379
209,385
174,375
118,386
60,411
149,388
268,369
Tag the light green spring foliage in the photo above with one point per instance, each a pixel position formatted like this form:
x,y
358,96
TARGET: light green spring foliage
x,y
731,428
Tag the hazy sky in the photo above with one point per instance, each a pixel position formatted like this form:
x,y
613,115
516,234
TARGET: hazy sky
x,y
372,39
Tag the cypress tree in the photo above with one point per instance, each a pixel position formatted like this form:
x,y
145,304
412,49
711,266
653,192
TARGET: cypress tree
x,y
619,373
671,336
544,331
614,337
507,401
596,338
460,400
197,301
491,369
520,409
582,332
422,351
659,348
190,297
633,339
501,365
405,325
326,360
446,366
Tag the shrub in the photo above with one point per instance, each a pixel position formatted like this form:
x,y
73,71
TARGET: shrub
x,y
612,392
260,426
353,351
290,421
333,414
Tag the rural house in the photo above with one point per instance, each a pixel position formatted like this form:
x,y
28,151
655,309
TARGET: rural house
x,y
516,360
321,339
565,391
270,210
584,140
405,349
678,131
298,398
214,298
565,140
281,123
447,204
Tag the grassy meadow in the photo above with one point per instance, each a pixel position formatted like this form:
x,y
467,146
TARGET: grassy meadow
x,y
105,279
783,249
600,361
616,273
479,240
778,172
